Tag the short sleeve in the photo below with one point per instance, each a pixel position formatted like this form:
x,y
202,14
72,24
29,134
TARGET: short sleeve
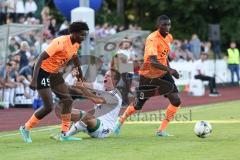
x,y
151,47
170,38
55,46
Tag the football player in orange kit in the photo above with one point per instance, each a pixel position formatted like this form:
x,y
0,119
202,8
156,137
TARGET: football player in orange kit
x,y
48,79
156,76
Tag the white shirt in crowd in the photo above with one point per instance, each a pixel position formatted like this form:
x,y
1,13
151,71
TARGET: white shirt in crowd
x,y
128,53
20,6
30,6
10,6
199,66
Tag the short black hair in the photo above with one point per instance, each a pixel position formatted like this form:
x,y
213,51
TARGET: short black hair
x,y
161,18
78,26
117,74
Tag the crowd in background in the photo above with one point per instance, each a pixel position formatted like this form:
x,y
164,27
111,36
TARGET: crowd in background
x,y
16,74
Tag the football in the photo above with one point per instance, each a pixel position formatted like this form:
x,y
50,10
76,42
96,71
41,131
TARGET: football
x,y
202,129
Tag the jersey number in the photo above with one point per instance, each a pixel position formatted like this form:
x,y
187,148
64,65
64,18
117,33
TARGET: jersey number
x,y
105,131
141,96
45,82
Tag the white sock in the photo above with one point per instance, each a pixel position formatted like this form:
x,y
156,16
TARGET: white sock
x,y
26,82
79,126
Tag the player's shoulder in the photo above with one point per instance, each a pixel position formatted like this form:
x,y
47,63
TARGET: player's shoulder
x,y
152,36
61,39
170,37
118,93
115,92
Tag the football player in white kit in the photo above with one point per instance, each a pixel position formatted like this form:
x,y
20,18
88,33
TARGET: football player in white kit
x,y
101,123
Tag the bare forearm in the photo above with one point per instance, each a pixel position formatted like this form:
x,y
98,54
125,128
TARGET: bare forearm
x,y
77,65
74,91
37,68
158,65
91,96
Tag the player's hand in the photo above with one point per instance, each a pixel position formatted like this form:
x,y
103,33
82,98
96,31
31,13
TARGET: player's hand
x,y
75,72
33,84
174,73
79,83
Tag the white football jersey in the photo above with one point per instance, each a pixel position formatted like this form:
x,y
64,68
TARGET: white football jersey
x,y
108,112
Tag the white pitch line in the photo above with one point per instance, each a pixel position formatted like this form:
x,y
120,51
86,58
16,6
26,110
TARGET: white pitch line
x,y
184,122
39,130
135,122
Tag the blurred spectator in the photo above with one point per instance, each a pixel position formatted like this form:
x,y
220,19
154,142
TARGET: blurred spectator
x,y
64,25
45,15
45,43
7,80
233,61
53,27
179,51
195,46
22,20
104,32
13,45
113,29
123,62
30,8
24,54
11,10
216,49
20,81
200,73
20,9
3,16
206,47
27,71
33,51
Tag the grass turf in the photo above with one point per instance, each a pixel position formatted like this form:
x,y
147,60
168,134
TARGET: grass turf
x,y
137,140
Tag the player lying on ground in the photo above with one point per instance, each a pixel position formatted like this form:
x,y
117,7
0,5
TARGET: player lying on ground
x,y
48,79
107,107
156,76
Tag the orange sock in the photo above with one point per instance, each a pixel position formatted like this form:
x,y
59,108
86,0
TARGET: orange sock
x,y
32,122
170,113
128,112
66,122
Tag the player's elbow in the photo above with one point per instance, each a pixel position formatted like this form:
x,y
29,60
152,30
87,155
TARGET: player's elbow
x,y
98,100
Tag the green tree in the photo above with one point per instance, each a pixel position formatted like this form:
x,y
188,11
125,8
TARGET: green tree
x,y
188,16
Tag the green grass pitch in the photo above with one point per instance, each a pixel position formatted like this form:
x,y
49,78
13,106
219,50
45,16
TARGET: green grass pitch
x,y
137,140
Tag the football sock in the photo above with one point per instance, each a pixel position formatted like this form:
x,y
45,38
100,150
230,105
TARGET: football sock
x,y
129,111
79,126
32,122
66,122
170,113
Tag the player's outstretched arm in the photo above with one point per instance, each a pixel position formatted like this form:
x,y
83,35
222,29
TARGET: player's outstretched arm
x,y
156,64
37,66
94,98
77,65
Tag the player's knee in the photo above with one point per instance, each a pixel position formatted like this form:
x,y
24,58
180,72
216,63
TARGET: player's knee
x,y
176,102
66,105
48,109
138,105
66,102
88,119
